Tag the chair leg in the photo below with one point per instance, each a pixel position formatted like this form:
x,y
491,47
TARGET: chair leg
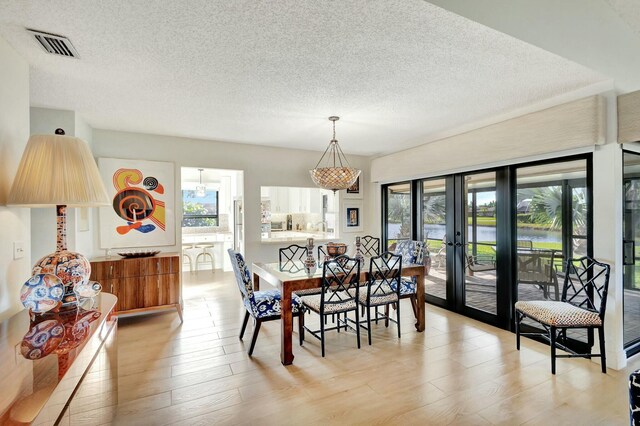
x,y
386,313
376,315
357,326
397,318
301,327
552,338
244,324
322,336
603,356
518,318
256,330
369,323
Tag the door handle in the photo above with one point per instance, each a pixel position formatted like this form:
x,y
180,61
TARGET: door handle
x,y
458,244
449,243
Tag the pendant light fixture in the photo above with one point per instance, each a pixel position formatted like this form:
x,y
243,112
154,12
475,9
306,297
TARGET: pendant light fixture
x,y
336,173
201,190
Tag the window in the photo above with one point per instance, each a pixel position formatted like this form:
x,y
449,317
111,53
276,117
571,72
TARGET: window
x,y
199,211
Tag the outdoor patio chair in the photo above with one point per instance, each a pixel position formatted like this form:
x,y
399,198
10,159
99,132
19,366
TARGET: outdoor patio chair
x,y
479,262
583,304
537,268
261,305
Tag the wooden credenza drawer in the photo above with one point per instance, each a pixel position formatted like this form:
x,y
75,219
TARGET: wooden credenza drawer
x,y
141,284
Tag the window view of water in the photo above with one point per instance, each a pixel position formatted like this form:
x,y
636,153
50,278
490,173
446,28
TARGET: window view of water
x,y
484,233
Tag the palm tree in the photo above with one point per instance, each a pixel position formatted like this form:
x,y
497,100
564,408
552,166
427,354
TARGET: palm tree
x,y
546,207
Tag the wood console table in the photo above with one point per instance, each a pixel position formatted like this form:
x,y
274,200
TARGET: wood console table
x,y
143,283
42,366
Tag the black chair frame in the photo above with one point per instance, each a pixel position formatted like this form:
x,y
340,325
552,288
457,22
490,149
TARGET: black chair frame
x,y
340,277
322,253
583,283
258,322
383,271
288,256
370,245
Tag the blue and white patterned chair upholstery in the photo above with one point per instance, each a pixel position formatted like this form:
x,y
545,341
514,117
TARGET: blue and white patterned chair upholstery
x,y
261,305
412,252
634,398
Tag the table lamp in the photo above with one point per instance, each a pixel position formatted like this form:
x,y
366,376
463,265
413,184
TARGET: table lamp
x,y
58,170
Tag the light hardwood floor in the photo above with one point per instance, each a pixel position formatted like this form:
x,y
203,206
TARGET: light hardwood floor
x,y
459,371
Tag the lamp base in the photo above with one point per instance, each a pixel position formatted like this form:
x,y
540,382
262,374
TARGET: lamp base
x,y
71,267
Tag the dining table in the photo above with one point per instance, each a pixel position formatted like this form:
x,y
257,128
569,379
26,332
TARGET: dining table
x,y
290,279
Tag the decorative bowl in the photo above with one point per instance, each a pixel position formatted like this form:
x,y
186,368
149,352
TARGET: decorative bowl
x,y
88,289
336,249
132,254
42,293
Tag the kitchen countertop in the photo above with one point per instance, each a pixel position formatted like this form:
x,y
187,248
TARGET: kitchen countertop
x,y
212,237
279,237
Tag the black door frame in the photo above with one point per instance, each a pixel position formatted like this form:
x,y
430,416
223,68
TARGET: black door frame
x,y
633,347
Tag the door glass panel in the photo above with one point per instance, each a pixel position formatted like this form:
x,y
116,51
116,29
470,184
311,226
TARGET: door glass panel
x,y
631,253
480,242
434,228
546,195
398,213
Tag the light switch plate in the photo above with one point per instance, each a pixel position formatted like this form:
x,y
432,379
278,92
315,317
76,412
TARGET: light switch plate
x,y
18,250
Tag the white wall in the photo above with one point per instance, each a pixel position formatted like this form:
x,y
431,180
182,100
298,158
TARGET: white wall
x,y
14,133
262,166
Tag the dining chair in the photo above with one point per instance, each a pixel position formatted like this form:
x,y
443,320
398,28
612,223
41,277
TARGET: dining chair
x,y
288,256
583,305
261,305
412,252
340,292
385,271
322,253
370,245
537,268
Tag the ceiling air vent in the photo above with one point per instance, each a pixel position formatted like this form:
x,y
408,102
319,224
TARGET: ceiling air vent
x,y
55,44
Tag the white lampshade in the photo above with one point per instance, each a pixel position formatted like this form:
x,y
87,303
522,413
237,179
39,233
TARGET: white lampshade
x,y
57,170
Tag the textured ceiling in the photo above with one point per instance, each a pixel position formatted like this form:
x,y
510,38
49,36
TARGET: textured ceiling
x,y
629,12
271,72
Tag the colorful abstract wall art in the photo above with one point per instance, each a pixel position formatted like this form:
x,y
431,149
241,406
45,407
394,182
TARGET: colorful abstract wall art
x,y
142,198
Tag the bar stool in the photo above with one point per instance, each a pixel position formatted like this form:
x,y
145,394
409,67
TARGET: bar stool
x,y
205,253
188,255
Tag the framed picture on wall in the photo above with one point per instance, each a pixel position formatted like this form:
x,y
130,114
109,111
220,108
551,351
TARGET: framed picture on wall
x,y
142,197
352,217
354,191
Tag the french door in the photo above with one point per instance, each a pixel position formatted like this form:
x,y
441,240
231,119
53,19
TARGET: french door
x,y
459,216
495,236
458,219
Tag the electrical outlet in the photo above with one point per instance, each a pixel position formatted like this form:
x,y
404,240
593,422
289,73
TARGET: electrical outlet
x,y
18,250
